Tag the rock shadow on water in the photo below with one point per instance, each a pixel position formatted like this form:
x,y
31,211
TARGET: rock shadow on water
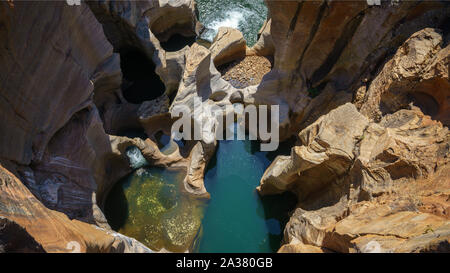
x,y
116,209
237,218
276,212
151,206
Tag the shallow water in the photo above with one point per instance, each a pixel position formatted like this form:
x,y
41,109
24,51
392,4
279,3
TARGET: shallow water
x,y
151,206
246,15
237,219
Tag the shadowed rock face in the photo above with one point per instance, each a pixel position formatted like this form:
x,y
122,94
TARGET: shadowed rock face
x,y
52,135
141,83
14,238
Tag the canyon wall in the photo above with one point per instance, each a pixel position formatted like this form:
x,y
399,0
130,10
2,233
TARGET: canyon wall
x,y
52,135
326,50
366,91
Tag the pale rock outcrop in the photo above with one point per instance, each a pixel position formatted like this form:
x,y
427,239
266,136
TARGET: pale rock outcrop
x,y
200,79
381,184
228,45
264,46
418,73
325,51
327,152
201,87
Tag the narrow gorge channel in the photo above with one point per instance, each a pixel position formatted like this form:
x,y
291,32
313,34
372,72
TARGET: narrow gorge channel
x,y
237,218
152,205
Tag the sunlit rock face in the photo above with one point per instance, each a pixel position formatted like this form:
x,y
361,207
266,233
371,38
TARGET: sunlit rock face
x,y
375,181
325,51
377,187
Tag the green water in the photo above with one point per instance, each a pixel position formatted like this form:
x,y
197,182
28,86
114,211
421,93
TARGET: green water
x,y
237,219
246,15
151,206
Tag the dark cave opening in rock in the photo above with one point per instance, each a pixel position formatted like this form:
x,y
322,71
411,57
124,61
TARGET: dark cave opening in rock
x,y
140,81
177,42
133,133
425,102
428,95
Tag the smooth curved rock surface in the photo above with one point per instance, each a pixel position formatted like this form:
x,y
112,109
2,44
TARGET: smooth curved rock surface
x,y
228,45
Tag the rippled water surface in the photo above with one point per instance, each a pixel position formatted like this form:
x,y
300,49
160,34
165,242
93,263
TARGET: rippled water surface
x,y
246,15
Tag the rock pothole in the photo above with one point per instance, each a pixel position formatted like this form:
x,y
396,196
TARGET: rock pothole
x,y
140,81
246,71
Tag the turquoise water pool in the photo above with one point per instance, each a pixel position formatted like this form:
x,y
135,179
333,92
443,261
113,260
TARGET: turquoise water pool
x,y
152,206
246,15
237,219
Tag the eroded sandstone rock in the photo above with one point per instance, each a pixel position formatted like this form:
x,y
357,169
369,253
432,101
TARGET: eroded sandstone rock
x,y
264,46
325,51
50,230
418,74
325,155
56,141
228,45
385,197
